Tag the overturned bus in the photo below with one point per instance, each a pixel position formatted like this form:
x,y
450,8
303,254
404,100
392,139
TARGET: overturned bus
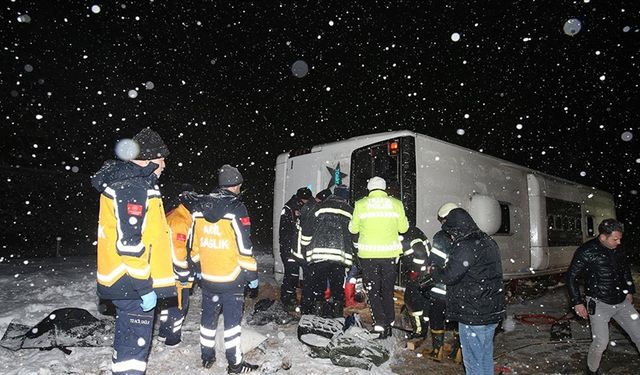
x,y
538,220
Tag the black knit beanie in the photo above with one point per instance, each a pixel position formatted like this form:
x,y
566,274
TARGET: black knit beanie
x,y
151,145
304,193
323,194
229,176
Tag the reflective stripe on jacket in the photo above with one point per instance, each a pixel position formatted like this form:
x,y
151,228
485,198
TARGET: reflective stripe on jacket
x,y
325,233
220,242
378,219
133,235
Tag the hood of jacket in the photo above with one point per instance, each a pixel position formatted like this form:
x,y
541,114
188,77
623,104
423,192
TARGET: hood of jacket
x,y
295,203
113,171
460,224
212,206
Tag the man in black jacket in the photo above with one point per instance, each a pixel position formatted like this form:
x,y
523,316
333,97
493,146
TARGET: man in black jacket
x,y
328,250
288,238
475,294
609,289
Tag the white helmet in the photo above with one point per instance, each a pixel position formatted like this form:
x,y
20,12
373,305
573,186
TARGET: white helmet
x,y
444,210
376,183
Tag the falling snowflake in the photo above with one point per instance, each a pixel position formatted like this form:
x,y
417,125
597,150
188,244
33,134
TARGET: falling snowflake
x,y
572,26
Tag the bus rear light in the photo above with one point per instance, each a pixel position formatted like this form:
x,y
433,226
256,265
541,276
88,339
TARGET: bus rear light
x,y
393,148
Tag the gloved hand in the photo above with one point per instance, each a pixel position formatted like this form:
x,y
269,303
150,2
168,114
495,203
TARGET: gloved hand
x,y
149,301
198,276
253,284
426,282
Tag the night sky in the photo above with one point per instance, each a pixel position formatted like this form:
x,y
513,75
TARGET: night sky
x,y
552,85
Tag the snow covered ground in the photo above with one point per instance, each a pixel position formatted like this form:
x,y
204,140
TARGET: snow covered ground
x,y
33,288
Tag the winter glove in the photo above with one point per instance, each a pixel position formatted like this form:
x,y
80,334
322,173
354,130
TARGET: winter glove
x,y
149,301
426,282
253,284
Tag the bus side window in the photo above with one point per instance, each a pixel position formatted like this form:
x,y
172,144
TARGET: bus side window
x,y
505,224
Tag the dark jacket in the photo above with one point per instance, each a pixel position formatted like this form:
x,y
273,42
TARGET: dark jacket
x,y
473,273
325,233
606,272
288,231
438,256
415,250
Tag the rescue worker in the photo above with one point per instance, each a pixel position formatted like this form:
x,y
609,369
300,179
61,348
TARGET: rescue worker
x,y
305,212
328,250
416,248
378,219
134,260
221,242
438,256
442,246
173,311
288,237
475,293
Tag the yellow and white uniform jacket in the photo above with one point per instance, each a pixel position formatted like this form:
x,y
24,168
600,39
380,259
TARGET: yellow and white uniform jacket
x,y
220,240
180,222
134,244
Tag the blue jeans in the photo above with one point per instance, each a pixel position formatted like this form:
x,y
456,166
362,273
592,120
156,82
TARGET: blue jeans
x,y
477,348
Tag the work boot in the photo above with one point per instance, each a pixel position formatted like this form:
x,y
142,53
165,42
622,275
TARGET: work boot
x,y
456,351
418,330
207,363
172,343
382,334
289,304
241,368
437,336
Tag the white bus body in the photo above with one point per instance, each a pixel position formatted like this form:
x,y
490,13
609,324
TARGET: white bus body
x,y
537,220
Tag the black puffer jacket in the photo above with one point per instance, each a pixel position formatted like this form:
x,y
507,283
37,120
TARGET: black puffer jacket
x,y
473,273
288,231
606,271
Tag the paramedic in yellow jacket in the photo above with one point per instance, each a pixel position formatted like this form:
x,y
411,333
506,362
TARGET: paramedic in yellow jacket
x,y
174,310
220,242
134,260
